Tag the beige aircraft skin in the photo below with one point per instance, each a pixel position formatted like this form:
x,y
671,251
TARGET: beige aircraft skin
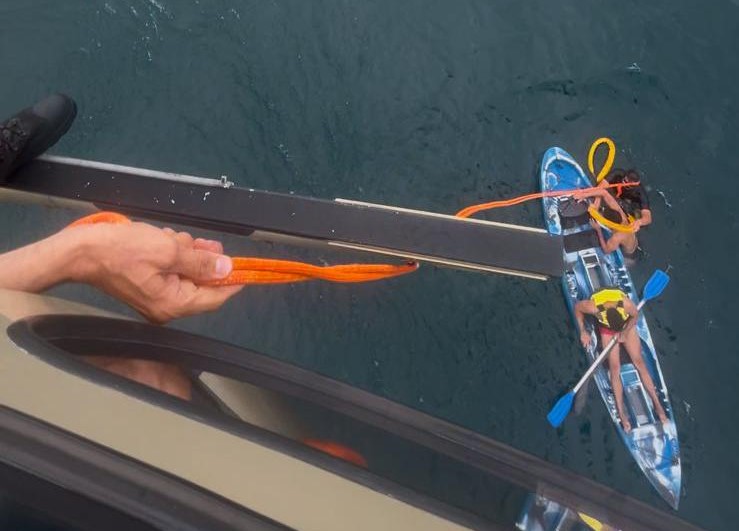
x,y
282,487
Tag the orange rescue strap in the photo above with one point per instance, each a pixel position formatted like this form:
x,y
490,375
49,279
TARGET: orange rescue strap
x,y
248,270
474,209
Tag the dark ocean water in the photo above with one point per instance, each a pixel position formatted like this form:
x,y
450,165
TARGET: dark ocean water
x,y
432,105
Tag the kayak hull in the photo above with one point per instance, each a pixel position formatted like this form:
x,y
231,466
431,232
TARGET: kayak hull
x,y
653,445
542,514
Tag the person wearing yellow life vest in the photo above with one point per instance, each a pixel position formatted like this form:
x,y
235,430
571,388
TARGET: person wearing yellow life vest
x,y
617,315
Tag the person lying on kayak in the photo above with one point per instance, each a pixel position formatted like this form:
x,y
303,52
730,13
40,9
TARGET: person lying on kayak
x,y
611,209
158,272
617,315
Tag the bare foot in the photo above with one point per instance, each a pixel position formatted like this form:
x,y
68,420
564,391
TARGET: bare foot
x,y
660,411
625,423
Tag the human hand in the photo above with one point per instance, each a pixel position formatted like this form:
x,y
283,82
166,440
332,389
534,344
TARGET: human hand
x,y
155,271
578,195
585,338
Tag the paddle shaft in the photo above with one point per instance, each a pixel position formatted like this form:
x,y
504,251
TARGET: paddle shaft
x,y
603,354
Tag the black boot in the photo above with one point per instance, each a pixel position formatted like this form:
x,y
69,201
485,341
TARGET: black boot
x,y
32,131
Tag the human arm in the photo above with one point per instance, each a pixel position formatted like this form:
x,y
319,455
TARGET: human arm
x,y
42,264
645,218
612,243
583,308
153,270
611,203
603,184
633,312
586,193
601,193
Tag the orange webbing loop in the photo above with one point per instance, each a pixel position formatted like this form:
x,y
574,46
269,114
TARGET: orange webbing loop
x,y
337,450
101,217
473,209
268,271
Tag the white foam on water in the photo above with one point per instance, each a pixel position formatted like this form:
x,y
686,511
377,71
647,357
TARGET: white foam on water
x,y
664,198
156,4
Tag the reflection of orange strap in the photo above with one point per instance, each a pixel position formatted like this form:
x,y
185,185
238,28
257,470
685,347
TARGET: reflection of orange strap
x,y
337,450
268,271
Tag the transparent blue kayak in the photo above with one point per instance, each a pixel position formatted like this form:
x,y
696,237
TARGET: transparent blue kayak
x,y
653,444
542,514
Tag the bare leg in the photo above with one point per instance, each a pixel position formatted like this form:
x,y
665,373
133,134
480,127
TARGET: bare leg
x,y
633,347
614,371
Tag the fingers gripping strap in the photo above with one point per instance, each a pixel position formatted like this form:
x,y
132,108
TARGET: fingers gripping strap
x,y
248,270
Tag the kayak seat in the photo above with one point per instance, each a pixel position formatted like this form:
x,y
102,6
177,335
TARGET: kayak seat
x,y
579,241
591,264
635,397
573,213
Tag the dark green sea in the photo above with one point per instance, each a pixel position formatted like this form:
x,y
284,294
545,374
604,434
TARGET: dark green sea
x,y
432,105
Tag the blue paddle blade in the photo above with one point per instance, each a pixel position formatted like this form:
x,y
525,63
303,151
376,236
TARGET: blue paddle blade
x,y
561,409
655,285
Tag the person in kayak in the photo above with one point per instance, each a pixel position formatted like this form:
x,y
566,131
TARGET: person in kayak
x,y
617,315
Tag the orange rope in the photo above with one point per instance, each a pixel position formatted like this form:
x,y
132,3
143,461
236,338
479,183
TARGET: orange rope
x,y
269,271
474,209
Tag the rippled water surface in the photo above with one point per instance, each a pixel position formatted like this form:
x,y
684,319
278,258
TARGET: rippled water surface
x,y
432,105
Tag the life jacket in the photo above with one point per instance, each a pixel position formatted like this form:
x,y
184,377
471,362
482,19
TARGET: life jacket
x,y
604,296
